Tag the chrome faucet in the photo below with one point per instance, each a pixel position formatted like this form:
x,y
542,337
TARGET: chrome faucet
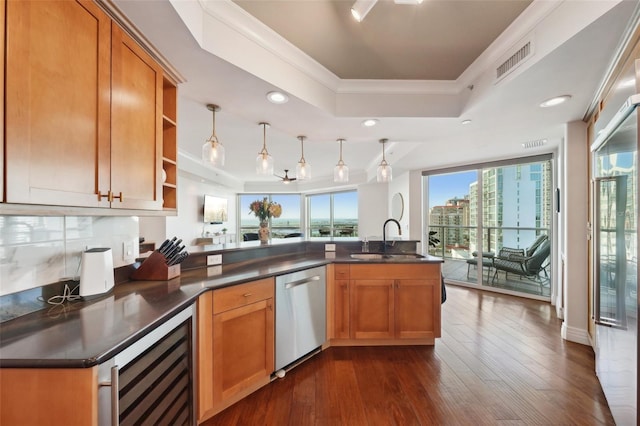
x,y
384,233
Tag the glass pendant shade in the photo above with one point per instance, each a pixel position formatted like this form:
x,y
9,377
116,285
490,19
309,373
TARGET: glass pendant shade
x,y
213,151
384,169
384,173
303,169
341,171
264,161
264,164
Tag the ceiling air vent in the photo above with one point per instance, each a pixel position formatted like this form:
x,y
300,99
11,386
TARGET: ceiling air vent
x,y
534,144
513,61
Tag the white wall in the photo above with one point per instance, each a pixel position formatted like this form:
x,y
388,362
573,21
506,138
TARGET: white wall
x,y
189,224
575,238
373,210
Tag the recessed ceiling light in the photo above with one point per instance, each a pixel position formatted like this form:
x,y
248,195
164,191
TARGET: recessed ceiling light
x,y
555,101
277,97
370,122
467,121
629,82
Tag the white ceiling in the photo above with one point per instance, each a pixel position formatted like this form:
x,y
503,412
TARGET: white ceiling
x,y
229,58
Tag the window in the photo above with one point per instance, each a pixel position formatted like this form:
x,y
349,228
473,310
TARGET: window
x,y
287,224
508,204
333,214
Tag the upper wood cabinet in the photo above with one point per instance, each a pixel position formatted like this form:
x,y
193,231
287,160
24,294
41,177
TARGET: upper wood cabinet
x,y
58,100
84,111
136,125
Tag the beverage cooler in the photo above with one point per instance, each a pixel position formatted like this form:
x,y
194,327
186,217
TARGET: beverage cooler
x,y
615,254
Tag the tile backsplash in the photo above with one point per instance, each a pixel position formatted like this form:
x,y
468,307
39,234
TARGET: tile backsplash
x,y
39,250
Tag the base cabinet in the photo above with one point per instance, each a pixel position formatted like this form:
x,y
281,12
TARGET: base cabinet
x,y
385,304
237,357
48,396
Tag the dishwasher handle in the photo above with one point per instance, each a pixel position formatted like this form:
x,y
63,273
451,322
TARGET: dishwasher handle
x,y
306,280
114,384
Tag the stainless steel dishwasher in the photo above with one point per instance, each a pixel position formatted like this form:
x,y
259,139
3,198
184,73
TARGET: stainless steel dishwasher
x,y
300,315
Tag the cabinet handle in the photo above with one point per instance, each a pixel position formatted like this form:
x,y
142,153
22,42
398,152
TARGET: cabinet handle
x,y
109,196
112,197
248,294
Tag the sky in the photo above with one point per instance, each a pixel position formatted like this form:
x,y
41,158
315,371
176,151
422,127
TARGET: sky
x,y
447,186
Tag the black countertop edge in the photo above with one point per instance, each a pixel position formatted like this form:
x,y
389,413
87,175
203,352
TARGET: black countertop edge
x,y
93,332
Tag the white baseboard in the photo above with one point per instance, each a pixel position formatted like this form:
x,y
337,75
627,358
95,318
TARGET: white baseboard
x,y
573,334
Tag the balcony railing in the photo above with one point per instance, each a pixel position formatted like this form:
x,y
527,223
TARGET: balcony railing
x,y
459,242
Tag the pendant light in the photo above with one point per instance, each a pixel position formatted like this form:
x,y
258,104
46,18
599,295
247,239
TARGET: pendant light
x,y
264,161
303,169
341,171
384,169
213,150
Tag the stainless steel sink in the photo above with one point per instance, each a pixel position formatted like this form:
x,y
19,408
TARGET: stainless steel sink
x,y
403,256
390,256
367,256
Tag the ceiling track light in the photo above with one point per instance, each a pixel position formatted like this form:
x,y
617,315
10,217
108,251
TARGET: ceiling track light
x,y
213,150
264,161
341,171
361,7
384,169
303,169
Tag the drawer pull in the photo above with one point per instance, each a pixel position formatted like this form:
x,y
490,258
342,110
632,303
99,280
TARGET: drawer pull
x,y
248,294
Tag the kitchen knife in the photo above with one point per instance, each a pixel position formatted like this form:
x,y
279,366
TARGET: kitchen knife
x,y
168,247
163,246
174,249
174,256
178,259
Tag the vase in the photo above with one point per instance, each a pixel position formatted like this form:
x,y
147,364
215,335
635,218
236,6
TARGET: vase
x,y
263,232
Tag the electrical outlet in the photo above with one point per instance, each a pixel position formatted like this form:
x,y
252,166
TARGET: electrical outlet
x,y
128,252
214,259
329,247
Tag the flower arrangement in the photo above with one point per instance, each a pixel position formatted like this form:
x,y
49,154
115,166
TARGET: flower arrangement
x,y
265,209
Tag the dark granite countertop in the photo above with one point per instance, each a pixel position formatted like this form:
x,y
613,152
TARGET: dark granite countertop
x,y
85,333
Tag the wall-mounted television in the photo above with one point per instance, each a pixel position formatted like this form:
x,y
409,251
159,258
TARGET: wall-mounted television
x,y
215,209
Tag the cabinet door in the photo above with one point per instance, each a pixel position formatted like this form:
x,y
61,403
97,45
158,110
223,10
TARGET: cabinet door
x,y
341,309
415,313
204,354
372,309
243,356
45,396
136,126
57,103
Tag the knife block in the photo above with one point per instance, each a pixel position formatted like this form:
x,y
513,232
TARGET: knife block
x,y
155,268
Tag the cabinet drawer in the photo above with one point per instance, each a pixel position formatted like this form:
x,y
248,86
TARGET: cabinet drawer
x,y
342,272
243,294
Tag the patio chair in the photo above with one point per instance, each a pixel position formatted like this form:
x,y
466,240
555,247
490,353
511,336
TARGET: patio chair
x,y
524,266
528,251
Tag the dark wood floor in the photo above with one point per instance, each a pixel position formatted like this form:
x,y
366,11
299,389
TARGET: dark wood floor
x,y
500,360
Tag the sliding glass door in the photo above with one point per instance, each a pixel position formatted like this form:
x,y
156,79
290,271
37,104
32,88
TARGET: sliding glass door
x,y
493,224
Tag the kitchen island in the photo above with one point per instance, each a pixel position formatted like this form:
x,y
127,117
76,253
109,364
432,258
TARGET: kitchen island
x,y
83,335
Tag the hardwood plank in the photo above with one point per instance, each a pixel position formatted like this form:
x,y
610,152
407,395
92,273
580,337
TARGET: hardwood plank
x,y
500,361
